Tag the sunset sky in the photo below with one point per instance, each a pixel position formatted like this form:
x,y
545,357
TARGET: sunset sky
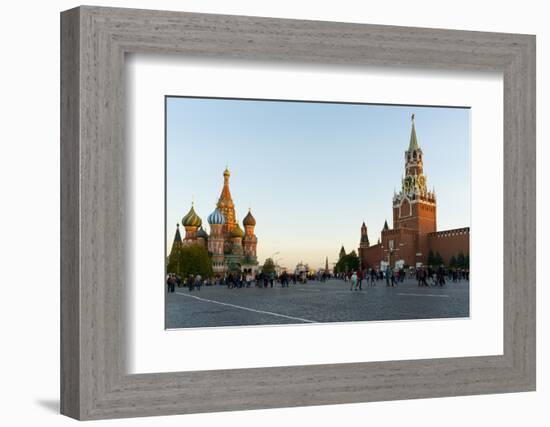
x,y
311,172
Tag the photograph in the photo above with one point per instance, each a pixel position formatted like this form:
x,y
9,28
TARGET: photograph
x,y
286,212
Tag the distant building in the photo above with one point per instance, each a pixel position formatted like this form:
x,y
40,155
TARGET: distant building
x,y
414,233
342,252
230,247
279,269
301,269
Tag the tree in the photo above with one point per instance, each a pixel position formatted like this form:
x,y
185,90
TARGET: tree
x,y
438,259
452,262
269,266
173,260
234,268
341,265
461,260
431,258
347,263
190,260
353,261
467,261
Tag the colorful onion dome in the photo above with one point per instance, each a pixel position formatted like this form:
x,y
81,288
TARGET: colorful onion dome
x,y
216,217
191,219
202,233
237,232
249,219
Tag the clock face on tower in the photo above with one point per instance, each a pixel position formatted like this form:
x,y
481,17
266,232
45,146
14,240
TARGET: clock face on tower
x,y
408,184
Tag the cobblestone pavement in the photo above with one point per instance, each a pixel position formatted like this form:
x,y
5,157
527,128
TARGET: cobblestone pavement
x,y
331,301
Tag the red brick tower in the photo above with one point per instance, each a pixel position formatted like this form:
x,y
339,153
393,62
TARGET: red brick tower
x,y
364,242
414,232
414,207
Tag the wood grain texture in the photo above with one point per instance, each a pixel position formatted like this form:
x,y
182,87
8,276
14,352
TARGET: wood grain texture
x,y
70,314
94,381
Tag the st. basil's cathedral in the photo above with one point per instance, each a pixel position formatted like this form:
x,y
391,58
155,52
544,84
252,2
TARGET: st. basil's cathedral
x,y
230,247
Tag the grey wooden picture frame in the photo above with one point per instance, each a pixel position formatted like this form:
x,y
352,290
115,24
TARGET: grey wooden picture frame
x,y
94,42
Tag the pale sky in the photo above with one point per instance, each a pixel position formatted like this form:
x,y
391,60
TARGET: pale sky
x,y
311,172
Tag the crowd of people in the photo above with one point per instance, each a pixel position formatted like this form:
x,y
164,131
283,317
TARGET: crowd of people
x,y
425,277
234,280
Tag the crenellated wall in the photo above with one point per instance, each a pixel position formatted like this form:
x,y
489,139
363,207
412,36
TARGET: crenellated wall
x,y
450,242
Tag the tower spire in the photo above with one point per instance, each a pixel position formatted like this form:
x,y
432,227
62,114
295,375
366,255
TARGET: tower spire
x,y
342,252
177,237
364,242
225,196
177,241
225,203
413,143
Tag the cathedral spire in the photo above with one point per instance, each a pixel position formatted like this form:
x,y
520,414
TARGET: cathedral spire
x,y
225,204
226,194
413,143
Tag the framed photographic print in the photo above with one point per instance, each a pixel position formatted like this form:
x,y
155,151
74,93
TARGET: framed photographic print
x,y
292,212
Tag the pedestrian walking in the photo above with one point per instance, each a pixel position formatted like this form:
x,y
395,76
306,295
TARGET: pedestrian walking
x,y
171,282
389,276
359,280
284,279
372,277
353,280
395,281
441,276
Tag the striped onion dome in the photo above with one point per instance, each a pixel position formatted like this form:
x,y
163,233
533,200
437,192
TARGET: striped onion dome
x,y
216,217
191,219
202,233
237,231
249,219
